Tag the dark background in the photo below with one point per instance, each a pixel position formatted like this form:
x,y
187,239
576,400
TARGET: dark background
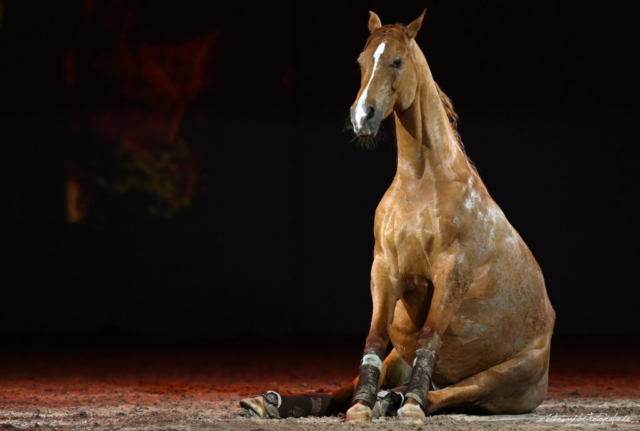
x,y
281,240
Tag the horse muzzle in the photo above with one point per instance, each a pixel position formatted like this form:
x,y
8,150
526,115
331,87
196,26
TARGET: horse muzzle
x,y
367,124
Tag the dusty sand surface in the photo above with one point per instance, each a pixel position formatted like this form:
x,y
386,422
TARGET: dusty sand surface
x,y
176,386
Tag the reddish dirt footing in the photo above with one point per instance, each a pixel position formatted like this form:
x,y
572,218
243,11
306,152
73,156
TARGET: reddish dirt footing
x,y
157,385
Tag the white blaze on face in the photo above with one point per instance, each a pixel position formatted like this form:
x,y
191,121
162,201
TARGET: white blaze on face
x,y
360,111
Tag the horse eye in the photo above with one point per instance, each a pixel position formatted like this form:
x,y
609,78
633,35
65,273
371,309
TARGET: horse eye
x,y
397,63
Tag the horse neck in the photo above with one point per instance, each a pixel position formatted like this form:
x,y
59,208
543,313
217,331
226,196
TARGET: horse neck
x,y
427,147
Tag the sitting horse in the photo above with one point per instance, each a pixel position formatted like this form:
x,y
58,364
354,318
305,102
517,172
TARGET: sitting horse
x,y
455,289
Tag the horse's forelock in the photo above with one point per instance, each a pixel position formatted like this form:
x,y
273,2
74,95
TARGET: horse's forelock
x,y
395,30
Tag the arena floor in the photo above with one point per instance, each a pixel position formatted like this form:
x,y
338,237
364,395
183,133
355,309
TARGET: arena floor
x,y
129,384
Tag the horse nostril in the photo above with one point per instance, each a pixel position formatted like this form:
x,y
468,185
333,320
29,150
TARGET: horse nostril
x,y
370,112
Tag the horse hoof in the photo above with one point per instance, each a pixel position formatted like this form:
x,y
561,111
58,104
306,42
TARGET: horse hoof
x,y
359,413
254,407
411,413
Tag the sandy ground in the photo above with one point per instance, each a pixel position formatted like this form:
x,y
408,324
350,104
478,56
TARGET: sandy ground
x,y
177,386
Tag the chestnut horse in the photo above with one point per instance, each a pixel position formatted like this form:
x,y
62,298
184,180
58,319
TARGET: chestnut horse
x,y
454,287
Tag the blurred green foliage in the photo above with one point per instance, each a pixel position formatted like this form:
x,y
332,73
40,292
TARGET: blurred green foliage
x,y
162,181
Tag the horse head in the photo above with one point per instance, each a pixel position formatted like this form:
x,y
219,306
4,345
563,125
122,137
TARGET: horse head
x,y
389,74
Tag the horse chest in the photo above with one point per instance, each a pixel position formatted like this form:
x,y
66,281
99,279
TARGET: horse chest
x,y
405,239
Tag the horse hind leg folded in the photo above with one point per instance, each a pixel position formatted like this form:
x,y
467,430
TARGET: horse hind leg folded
x,y
518,385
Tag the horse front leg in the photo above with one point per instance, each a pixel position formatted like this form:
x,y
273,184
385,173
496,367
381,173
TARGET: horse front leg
x,y
385,293
451,282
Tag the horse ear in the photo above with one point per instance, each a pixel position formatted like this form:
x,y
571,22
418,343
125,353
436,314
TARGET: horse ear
x,y
412,29
374,22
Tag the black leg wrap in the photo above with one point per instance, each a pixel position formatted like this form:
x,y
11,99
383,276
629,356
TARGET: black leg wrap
x,y
369,376
418,388
297,406
388,403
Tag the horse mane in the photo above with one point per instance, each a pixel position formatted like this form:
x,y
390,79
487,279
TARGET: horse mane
x,y
453,120
451,115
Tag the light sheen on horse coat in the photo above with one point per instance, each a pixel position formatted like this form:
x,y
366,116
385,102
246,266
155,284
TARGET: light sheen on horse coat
x,y
454,287
450,275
